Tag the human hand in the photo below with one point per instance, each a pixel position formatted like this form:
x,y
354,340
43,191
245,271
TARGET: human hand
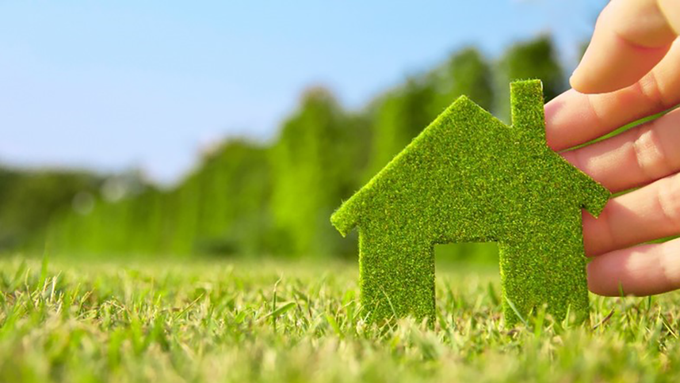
x,y
630,70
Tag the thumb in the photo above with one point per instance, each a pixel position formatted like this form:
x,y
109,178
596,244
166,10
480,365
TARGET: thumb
x,y
630,38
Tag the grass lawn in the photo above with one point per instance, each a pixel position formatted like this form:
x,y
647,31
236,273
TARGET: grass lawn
x,y
247,321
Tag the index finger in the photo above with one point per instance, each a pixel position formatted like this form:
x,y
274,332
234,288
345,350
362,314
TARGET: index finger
x,y
630,38
574,118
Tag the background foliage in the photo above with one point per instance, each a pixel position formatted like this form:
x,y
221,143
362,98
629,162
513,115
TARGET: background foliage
x,y
255,199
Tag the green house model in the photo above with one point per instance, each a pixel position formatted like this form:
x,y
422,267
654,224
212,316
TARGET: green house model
x,y
468,177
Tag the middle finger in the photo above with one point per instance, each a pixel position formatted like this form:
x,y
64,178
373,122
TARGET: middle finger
x,y
634,158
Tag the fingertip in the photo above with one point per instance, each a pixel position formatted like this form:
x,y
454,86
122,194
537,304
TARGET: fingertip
x,y
620,66
639,271
585,80
596,283
630,38
580,82
671,11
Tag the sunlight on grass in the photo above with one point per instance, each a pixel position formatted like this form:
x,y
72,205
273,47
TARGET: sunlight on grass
x,y
248,321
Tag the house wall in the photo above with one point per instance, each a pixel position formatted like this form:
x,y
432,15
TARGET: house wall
x,y
396,276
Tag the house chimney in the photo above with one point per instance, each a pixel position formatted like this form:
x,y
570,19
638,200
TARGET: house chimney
x,y
528,116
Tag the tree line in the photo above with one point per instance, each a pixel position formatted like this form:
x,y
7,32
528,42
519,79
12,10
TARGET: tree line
x,y
276,198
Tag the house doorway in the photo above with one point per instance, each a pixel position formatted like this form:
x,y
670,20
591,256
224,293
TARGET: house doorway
x,y
477,254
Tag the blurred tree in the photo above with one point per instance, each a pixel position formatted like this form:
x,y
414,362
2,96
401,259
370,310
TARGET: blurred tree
x,y
399,117
234,213
29,198
314,164
404,112
532,59
465,73
221,207
110,222
144,222
246,198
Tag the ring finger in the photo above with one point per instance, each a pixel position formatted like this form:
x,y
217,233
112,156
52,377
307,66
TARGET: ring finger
x,y
643,215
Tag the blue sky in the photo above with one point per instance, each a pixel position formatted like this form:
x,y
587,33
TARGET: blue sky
x,y
146,84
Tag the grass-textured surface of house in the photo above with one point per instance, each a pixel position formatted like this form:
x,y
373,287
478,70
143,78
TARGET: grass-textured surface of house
x,y
468,177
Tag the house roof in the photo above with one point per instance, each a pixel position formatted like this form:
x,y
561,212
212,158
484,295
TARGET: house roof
x,y
466,150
